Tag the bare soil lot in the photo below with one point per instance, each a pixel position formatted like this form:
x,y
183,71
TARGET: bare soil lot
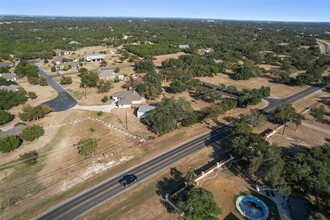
x,y
277,90
159,59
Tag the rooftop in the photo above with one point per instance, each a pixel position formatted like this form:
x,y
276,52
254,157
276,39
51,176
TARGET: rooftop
x,y
106,73
127,97
10,87
8,76
146,108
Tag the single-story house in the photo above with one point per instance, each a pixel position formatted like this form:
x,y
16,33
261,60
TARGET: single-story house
x,y
106,74
72,64
16,130
10,88
183,46
127,98
94,57
58,60
8,76
60,52
143,110
6,64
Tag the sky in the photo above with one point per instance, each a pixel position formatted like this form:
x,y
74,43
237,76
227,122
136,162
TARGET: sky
x,y
272,10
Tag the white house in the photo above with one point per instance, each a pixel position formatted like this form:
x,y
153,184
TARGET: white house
x,y
143,110
94,57
9,76
127,98
183,46
60,52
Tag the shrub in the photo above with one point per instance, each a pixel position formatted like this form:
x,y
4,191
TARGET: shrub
x,y
65,80
30,158
32,95
32,132
10,143
99,113
53,69
105,99
5,117
43,81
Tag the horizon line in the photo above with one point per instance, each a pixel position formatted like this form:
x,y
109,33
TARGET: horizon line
x,y
148,17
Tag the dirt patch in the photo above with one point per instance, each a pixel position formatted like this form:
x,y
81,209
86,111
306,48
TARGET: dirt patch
x,y
277,90
159,59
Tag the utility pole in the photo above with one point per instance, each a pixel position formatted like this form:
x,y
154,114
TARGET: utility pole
x,y
126,121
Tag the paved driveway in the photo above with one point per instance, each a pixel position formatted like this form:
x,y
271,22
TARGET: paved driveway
x,y
63,101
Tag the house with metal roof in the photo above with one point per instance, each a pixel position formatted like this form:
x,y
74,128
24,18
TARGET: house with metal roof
x,y
94,57
106,74
183,46
143,110
10,88
6,64
127,98
8,76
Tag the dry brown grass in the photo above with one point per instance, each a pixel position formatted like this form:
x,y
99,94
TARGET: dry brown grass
x,y
277,90
159,59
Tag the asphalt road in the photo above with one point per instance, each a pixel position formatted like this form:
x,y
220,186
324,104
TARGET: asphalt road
x,y
63,100
327,48
91,198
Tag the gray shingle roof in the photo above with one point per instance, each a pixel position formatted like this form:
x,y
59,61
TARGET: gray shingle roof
x,y
7,64
106,73
127,97
10,87
146,108
8,76
17,130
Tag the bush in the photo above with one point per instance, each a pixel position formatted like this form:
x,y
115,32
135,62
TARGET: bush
x,y
99,113
10,143
5,117
89,79
34,113
144,66
104,85
65,80
117,70
32,132
53,69
32,95
43,81
30,158
105,99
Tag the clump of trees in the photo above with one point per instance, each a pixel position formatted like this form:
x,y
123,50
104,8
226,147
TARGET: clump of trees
x,y
33,132
286,114
30,113
104,85
88,79
5,117
87,146
169,114
30,158
10,143
144,66
318,112
11,98
246,71
65,80
220,108
151,88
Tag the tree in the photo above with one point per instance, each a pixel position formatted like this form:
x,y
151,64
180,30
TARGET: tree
x,y
151,87
143,66
65,80
53,69
103,63
168,114
10,143
87,146
256,119
298,120
46,61
5,117
10,99
200,204
33,113
177,86
317,216
283,115
32,95
30,158
117,70
4,69
89,79
43,81
318,112
104,85
33,132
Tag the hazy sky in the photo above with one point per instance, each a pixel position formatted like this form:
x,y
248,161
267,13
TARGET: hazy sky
x,y
279,10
